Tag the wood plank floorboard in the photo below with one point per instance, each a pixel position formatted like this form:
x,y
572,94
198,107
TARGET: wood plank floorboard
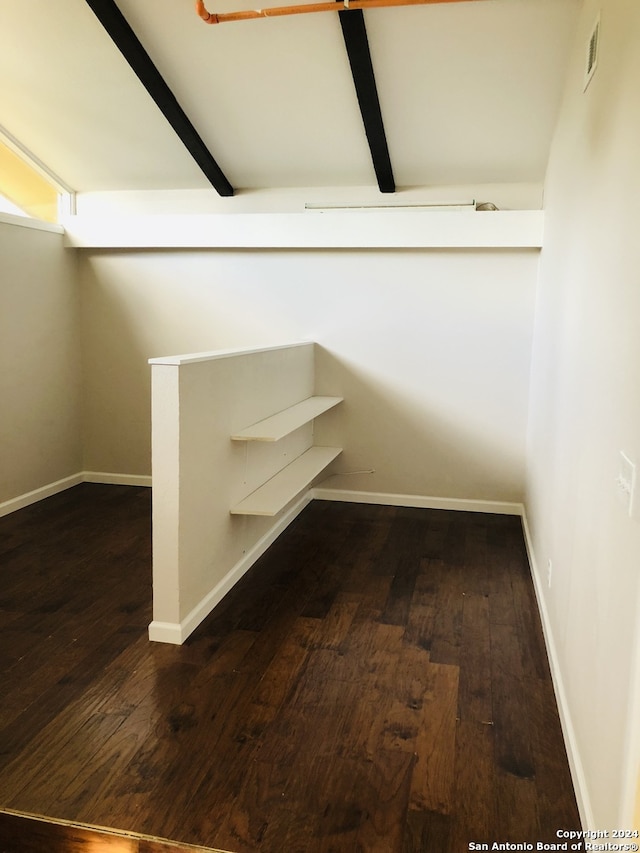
x,y
376,682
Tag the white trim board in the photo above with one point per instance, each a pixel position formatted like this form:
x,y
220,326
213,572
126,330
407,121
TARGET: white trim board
x,y
21,501
109,479
420,501
568,731
29,222
176,633
195,357
50,489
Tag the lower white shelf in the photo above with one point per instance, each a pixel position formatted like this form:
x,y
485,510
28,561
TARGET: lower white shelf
x,y
276,493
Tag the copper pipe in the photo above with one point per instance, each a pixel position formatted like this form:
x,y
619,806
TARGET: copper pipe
x,y
277,11
207,17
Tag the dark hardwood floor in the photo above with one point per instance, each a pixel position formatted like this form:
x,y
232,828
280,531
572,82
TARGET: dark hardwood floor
x,y
377,682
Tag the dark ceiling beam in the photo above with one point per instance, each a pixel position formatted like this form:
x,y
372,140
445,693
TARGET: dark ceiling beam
x,y
129,45
357,44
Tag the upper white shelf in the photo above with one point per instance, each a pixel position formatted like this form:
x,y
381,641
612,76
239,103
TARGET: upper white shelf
x,y
277,426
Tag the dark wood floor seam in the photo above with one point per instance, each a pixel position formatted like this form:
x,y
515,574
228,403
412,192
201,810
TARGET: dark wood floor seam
x,y
23,833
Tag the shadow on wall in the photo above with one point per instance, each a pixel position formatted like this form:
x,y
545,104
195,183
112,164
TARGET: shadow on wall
x,y
413,445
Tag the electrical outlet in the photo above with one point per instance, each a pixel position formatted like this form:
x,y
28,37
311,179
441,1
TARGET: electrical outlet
x,y
549,571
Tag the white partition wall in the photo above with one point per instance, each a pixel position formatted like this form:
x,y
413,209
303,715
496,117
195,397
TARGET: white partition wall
x,y
208,458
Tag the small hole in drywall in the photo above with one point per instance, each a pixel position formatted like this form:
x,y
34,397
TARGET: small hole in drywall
x,y
592,53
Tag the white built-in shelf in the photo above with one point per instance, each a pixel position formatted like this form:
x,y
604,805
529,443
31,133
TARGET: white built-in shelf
x,y
281,424
276,493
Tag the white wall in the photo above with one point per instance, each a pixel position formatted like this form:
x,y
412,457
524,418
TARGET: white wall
x,y
40,357
585,405
431,350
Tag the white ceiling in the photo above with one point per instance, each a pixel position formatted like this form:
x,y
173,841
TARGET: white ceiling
x,y
469,92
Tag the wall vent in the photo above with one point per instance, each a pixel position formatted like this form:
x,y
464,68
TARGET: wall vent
x,y
592,53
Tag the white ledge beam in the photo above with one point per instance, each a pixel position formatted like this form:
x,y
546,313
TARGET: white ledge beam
x,y
392,229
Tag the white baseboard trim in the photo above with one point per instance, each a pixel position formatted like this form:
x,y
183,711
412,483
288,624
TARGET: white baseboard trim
x,y
40,494
568,731
22,501
109,479
319,493
177,632
166,632
421,501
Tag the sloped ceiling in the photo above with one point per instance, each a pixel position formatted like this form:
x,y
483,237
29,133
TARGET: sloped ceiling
x,y
469,93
